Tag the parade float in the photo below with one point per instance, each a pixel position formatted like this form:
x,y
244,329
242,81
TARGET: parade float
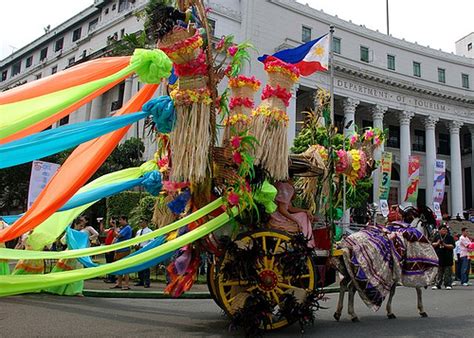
x,y
215,195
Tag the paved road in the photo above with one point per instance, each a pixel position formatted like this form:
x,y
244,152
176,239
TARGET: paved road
x,y
451,315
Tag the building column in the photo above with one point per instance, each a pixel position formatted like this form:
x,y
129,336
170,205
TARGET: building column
x,y
378,112
349,105
430,124
471,130
456,168
405,152
291,112
88,110
127,92
97,110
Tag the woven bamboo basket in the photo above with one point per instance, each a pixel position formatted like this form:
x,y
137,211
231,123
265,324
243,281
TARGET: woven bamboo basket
x,y
280,79
274,102
244,91
179,35
192,82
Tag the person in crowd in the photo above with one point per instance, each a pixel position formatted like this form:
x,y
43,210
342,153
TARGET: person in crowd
x,y
444,246
143,275
83,226
457,260
288,217
109,239
464,243
125,233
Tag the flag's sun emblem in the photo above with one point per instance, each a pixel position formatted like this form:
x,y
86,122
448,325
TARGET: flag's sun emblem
x,y
319,50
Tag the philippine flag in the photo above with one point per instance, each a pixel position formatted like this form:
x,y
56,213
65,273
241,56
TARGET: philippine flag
x,y
309,58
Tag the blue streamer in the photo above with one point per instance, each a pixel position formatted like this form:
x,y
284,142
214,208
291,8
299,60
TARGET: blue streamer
x,y
152,182
153,244
52,141
164,113
79,240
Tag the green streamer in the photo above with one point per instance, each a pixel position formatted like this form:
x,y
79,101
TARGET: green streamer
x,y
16,284
29,254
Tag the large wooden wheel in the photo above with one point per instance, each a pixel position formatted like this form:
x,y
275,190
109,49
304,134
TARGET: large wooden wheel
x,y
269,277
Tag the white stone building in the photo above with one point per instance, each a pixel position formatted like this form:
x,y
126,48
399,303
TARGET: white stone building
x,y
424,97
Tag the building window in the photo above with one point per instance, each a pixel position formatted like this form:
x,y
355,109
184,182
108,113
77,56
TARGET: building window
x,y
466,143
419,140
391,62
4,75
16,68
71,61
122,33
58,45
364,54
107,11
212,26
114,6
93,24
443,148
123,5
336,45
393,137
64,120
54,70
441,75
416,69
306,34
43,53
367,124
29,61
465,80
469,46
76,35
38,76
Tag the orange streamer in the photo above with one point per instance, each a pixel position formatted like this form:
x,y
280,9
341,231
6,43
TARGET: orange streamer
x,y
74,76
74,173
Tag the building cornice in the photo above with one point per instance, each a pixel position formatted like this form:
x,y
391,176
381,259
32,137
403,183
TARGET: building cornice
x,y
225,12
361,30
402,84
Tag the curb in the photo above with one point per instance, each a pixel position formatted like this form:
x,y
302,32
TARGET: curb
x,y
160,294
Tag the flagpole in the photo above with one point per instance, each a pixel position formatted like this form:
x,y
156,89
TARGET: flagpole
x,y
331,131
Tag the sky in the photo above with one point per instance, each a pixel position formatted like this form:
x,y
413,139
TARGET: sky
x,y
436,23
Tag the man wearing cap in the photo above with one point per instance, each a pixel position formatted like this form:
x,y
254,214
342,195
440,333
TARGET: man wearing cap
x,y
143,275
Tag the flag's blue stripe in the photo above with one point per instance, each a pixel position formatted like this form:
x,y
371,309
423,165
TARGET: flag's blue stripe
x,y
293,55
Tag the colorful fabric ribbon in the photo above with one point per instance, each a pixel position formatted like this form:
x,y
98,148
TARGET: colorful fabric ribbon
x,y
55,140
11,285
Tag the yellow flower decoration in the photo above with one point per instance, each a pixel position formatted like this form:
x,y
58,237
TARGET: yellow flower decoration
x,y
274,115
236,118
188,96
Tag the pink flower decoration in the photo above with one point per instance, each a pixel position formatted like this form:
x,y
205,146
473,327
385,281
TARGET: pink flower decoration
x,y
342,163
233,198
232,50
163,162
354,139
235,141
377,140
237,158
220,44
368,135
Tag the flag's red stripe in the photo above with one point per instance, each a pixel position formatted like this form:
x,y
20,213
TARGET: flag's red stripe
x,y
308,68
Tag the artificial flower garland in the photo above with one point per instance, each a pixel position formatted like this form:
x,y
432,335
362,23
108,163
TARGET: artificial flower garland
x,y
196,66
278,92
278,66
242,81
241,101
272,115
184,47
236,118
189,96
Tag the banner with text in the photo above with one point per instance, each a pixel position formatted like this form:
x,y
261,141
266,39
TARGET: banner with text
x,y
385,175
413,178
439,181
41,173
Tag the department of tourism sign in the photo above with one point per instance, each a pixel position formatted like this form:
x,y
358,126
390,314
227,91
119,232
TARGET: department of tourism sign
x,y
385,177
439,181
41,173
413,178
